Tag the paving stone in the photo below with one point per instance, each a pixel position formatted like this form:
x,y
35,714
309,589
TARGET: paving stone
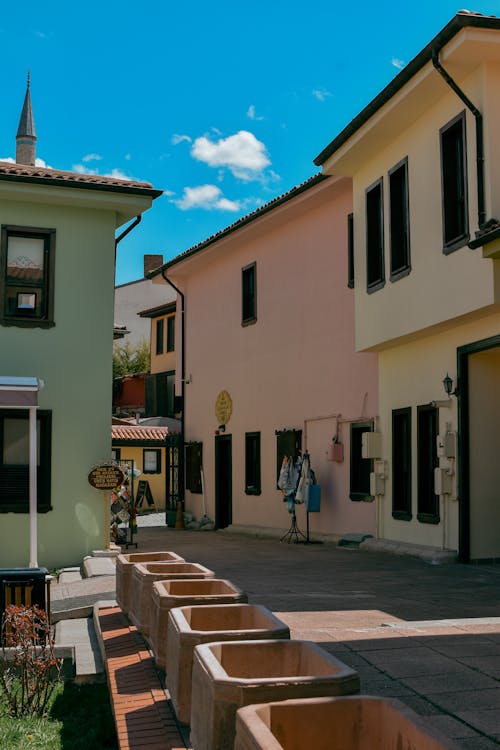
x,y
472,699
412,662
460,680
485,720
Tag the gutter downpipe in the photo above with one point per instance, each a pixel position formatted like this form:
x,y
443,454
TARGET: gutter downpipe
x,y
183,380
120,237
479,135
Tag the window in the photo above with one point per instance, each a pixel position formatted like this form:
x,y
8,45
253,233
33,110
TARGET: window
x,y
159,336
151,460
194,467
401,464
399,221
360,467
249,294
350,251
454,184
27,276
14,460
252,463
427,460
171,333
375,274
288,443
160,394
116,454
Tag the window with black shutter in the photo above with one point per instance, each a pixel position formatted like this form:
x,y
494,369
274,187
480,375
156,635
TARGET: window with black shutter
x,y
14,460
350,251
249,294
288,443
375,273
454,184
427,460
401,464
194,465
399,221
252,463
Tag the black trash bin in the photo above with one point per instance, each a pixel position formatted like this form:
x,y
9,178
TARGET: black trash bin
x,y
23,587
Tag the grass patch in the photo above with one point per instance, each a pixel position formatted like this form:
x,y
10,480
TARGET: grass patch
x,y
79,717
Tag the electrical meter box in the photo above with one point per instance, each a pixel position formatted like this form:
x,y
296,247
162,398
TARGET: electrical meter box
x,y
371,445
447,445
443,481
377,484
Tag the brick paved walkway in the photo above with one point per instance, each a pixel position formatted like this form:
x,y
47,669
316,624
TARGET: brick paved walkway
x,y
143,716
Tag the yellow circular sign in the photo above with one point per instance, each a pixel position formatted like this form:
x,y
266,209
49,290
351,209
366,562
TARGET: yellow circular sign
x,y
223,407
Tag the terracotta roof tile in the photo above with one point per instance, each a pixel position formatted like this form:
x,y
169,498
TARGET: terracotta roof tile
x,y
138,432
9,169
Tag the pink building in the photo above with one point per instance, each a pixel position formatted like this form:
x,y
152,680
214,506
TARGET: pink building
x,y
270,367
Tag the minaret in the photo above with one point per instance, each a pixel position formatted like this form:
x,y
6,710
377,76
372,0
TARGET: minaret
x,y
26,136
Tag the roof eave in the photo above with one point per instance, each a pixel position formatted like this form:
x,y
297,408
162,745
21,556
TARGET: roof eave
x,y
458,22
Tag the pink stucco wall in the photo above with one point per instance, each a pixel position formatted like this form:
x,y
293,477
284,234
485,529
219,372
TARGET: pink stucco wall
x,y
291,369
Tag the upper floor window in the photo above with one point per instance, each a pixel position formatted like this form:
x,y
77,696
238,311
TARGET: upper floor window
x,y
350,251
375,274
159,335
399,221
171,333
27,276
454,184
249,294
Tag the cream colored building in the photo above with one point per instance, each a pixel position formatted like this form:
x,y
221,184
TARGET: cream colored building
x,y
424,157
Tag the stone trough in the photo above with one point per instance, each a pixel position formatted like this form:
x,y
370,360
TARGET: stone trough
x,y
179,593
190,626
229,675
143,577
347,723
124,567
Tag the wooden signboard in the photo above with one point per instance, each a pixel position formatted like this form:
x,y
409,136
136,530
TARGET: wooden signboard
x,y
143,493
106,477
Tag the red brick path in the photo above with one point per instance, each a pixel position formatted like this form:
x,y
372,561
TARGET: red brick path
x,y
143,716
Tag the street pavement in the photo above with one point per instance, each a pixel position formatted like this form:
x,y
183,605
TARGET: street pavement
x,y
428,635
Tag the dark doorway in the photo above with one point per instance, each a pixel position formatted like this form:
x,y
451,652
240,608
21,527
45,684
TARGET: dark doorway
x,y
223,481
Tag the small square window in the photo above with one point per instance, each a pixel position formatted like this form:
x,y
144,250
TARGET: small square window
x,y
27,276
151,461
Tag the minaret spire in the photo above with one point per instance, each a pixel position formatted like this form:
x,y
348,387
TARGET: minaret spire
x,y
26,135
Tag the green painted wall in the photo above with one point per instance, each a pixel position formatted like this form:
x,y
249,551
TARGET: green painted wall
x,y
74,359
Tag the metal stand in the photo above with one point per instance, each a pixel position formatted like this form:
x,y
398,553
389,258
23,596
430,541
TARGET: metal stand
x,y
293,533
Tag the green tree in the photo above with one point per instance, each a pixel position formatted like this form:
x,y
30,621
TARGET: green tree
x,y
129,360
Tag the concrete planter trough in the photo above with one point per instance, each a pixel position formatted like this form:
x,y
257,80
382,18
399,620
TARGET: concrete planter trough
x,y
169,594
190,626
227,676
358,722
124,567
143,577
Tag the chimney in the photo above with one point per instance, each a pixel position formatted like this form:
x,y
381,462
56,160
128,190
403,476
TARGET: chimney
x,y
151,262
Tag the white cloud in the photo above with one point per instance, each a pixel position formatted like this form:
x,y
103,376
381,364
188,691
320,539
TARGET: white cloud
x,y
176,138
241,153
397,63
92,157
82,169
38,162
117,174
208,197
321,94
252,114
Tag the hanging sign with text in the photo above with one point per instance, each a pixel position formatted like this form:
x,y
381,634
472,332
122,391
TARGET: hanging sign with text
x,y
106,477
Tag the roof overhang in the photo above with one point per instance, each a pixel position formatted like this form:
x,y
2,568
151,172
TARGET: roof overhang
x,y
467,42
19,392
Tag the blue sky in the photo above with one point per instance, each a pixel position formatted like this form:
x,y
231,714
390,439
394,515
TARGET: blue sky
x,y
222,105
